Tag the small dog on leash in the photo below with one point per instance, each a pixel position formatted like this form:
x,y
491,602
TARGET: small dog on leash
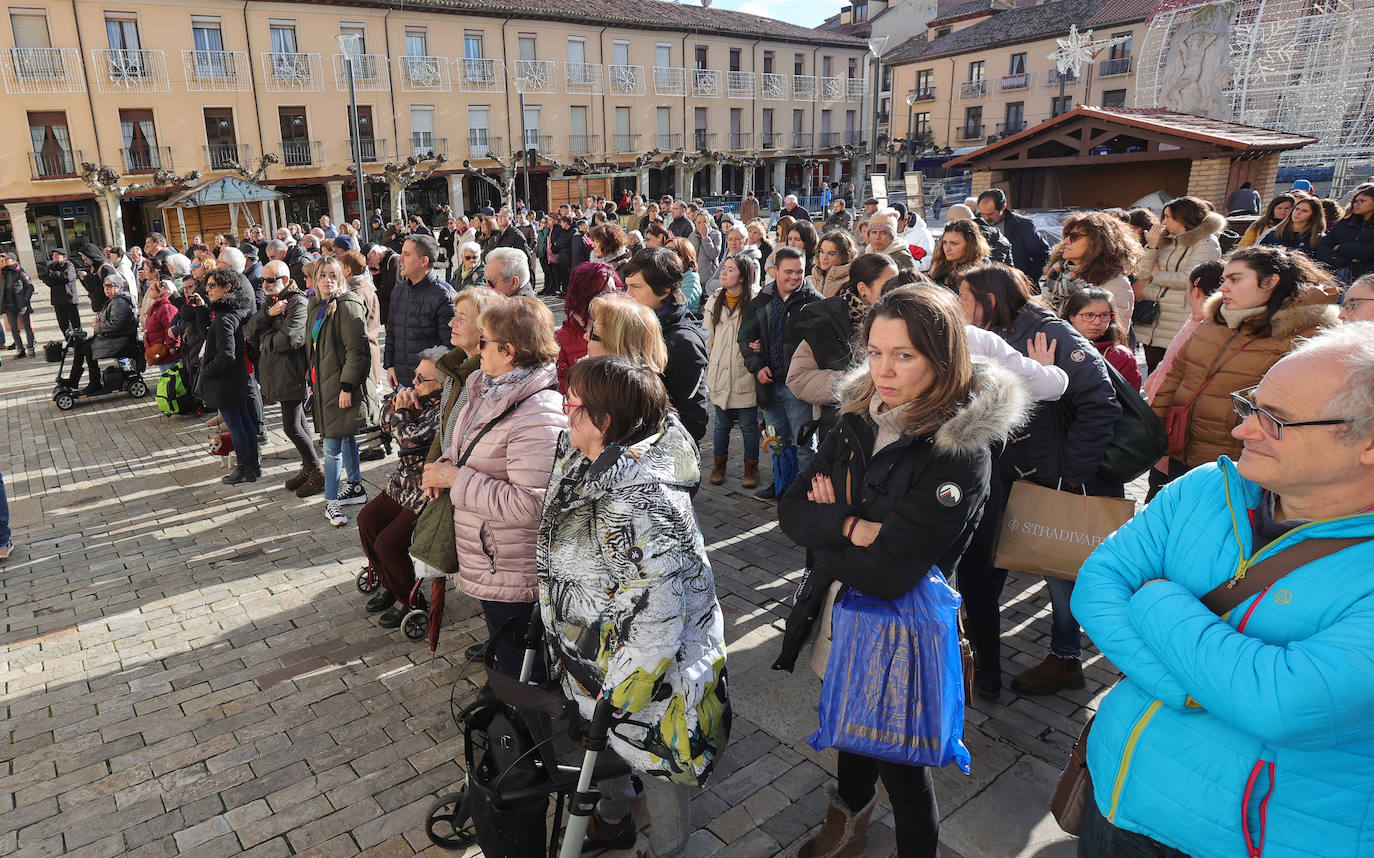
x,y
220,441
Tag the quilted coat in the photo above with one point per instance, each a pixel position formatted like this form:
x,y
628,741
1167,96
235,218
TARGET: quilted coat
x,y
341,361
629,601
1208,704
728,380
1175,257
497,496
1211,417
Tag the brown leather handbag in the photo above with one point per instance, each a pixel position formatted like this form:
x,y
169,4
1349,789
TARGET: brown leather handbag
x,y
1071,792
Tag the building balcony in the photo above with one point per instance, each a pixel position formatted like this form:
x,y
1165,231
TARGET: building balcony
x,y
371,72
1113,68
425,146
48,71
219,156
832,89
424,74
146,159
480,74
283,72
775,87
627,142
770,140
801,139
971,89
739,84
855,88
626,80
831,139
584,144
217,71
538,142
927,94
971,132
670,80
853,138
1014,82
707,83
56,164
583,78
302,153
371,149
1006,129
1053,79
703,139
536,77
482,146
741,140
803,87
130,71
668,142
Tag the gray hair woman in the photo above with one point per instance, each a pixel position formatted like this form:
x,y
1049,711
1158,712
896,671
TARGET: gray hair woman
x,y
466,269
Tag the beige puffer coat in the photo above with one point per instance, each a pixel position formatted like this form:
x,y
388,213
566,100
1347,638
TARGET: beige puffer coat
x,y
499,493
728,381
1167,269
829,283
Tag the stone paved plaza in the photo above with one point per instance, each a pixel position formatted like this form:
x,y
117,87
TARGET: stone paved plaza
x,y
188,670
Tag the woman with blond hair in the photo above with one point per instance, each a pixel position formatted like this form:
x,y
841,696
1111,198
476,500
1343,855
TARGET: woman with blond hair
x,y
620,325
1096,250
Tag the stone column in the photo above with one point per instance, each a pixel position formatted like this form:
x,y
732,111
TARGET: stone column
x,y
336,203
717,179
780,175
281,210
644,183
455,193
836,171
23,245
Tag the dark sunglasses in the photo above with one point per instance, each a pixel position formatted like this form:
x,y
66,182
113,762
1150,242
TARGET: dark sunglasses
x,y
276,279
1243,403
483,342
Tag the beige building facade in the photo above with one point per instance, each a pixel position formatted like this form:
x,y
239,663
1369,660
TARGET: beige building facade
x,y
175,86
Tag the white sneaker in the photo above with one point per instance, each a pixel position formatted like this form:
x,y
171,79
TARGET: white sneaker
x,y
334,515
351,493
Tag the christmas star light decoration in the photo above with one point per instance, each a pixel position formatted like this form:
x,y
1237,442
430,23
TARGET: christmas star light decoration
x,y
1077,49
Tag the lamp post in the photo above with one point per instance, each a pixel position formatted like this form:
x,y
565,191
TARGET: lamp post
x,y
349,45
875,47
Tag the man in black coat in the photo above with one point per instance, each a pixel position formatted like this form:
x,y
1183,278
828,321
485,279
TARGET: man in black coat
x,y
767,339
654,279
63,290
16,293
385,267
1029,252
421,307
681,225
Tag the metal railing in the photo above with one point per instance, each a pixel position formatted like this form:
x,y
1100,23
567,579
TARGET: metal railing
x,y
218,156
667,141
217,71
371,72
803,87
627,142
583,78
1012,82
1111,68
670,80
707,83
741,140
973,89
1006,129
830,139
480,74
626,80
146,159
927,94
801,139
583,144
703,139
130,71
55,165
301,153
971,132
371,149
424,74
739,84
480,143
853,138
424,145
832,89
855,88
775,87
42,70
538,142
295,72
770,140
536,76
1053,77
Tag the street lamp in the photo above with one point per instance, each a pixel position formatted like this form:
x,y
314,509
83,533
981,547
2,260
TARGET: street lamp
x,y
875,47
349,45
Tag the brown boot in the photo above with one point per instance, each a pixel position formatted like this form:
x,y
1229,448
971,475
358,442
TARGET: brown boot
x,y
313,485
609,835
718,471
298,480
1049,676
751,474
844,834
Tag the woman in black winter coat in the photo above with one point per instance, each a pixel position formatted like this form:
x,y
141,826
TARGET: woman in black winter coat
x,y
281,333
224,368
896,488
654,279
1348,246
114,335
1062,447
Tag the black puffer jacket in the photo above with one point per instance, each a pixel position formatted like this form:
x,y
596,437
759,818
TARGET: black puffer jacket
x,y
927,491
283,347
63,283
224,368
1068,438
419,317
16,290
756,325
825,326
97,268
685,375
116,328
1029,251
1355,238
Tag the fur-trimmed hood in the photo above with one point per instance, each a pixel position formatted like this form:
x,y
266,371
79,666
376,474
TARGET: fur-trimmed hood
x,y
1212,224
998,404
1312,307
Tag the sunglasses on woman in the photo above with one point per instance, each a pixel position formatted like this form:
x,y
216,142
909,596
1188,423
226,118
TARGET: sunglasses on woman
x,y
1243,401
483,342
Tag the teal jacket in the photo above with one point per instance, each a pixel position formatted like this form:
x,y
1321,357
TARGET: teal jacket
x,y
1218,736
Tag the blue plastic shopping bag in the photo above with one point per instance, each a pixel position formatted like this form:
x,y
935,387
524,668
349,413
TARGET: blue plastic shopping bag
x,y
894,684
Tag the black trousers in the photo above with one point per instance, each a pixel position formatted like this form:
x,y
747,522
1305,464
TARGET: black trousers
x,y
82,359
914,809
68,316
510,652
297,428
18,324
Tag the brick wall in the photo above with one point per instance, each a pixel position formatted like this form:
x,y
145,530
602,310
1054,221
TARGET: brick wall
x,y
1207,179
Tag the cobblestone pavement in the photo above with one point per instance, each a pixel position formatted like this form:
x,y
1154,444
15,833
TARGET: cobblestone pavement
x,y
187,667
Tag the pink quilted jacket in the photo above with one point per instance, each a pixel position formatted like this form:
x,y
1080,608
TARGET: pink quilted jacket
x,y
498,495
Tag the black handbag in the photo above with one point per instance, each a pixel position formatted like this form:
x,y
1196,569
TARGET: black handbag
x,y
1146,312
1138,438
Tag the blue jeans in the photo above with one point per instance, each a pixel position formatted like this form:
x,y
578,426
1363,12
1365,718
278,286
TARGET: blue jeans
x,y
238,419
333,447
4,513
748,420
787,415
1065,639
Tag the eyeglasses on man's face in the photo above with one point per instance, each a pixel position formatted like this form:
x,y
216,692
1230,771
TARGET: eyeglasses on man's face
x,y
1243,401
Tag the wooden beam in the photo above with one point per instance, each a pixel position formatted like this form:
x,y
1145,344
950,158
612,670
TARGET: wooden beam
x,y
1093,160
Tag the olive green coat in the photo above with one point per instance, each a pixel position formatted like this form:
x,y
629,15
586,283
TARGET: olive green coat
x,y
342,361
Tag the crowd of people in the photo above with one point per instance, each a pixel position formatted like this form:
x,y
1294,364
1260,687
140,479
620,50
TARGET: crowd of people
x,y
912,381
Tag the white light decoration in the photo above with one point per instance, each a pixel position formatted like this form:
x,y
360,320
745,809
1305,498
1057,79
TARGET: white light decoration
x,y
1079,48
1302,66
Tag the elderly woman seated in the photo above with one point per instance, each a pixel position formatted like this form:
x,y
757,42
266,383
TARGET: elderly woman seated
x,y
115,336
411,417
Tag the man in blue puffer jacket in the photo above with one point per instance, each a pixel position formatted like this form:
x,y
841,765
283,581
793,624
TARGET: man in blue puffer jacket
x,y
1248,734
421,307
